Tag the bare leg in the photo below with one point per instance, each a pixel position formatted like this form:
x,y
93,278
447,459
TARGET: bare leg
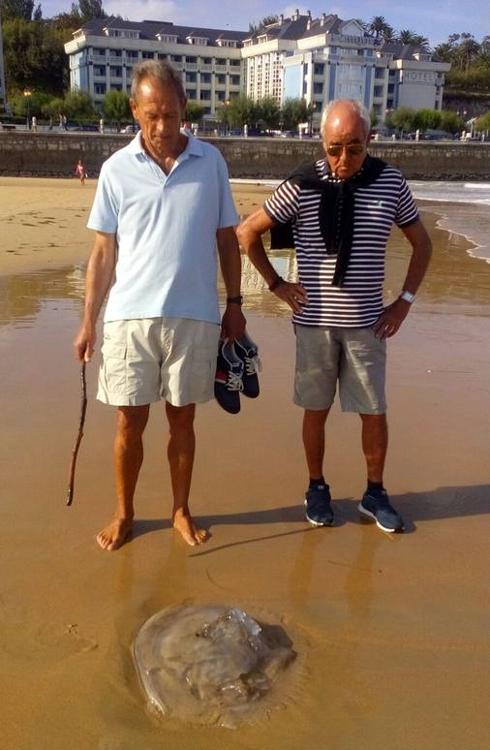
x,y
181,448
314,440
128,457
374,444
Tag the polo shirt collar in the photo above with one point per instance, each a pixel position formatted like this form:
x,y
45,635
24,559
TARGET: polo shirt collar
x,y
193,147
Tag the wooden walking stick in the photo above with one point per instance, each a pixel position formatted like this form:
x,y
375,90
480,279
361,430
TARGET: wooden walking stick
x,y
83,410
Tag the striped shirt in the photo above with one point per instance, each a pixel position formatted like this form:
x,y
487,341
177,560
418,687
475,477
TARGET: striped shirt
x,y
359,302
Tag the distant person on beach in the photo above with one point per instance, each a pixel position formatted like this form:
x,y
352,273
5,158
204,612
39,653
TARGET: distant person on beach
x,y
337,213
80,172
163,214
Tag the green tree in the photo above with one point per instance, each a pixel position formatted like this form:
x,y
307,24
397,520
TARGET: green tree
x,y
402,119
483,122
451,122
34,56
427,119
380,28
116,106
91,9
253,28
78,105
293,111
406,36
193,111
238,111
268,113
22,9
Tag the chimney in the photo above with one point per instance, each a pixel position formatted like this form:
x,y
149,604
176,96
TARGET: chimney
x,y
296,15
323,19
281,19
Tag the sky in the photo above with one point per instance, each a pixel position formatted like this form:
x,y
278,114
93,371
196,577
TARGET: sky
x,y
435,20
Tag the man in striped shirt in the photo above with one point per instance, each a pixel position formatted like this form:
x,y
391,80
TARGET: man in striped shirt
x,y
339,212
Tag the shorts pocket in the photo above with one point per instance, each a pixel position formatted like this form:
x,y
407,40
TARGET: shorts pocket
x,y
114,357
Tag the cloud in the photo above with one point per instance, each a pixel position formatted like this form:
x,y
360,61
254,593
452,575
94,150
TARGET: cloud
x,y
144,10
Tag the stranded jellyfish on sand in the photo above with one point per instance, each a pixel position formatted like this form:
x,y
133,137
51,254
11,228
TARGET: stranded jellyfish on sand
x,y
211,664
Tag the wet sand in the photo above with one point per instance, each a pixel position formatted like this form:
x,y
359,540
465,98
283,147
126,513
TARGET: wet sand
x,y
392,632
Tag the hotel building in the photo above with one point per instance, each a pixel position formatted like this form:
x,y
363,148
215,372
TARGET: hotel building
x,y
298,57
102,54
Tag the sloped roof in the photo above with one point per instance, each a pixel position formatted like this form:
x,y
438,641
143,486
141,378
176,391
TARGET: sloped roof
x,y
149,29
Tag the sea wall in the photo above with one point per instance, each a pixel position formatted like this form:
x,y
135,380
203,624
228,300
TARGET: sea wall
x,y
56,154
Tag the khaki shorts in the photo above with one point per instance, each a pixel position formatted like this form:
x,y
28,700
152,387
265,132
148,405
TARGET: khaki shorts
x,y
352,356
147,360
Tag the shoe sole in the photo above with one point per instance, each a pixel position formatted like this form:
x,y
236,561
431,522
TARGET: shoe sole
x,y
316,523
368,513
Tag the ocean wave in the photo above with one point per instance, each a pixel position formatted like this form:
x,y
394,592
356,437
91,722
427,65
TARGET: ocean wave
x,y
463,214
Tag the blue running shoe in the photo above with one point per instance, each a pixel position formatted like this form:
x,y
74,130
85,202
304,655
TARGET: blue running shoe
x,y
318,510
376,505
247,351
228,379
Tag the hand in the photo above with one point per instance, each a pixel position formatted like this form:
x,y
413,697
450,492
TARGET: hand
x,y
233,322
293,294
391,319
84,343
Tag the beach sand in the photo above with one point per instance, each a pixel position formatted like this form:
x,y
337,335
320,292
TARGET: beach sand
x,y
391,631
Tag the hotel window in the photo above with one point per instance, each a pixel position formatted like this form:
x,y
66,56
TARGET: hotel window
x,y
235,80
378,91
318,88
116,72
190,59
99,88
147,55
205,95
318,69
205,77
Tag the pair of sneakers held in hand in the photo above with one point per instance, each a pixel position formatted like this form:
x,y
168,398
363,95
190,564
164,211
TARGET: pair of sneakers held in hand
x,y
236,372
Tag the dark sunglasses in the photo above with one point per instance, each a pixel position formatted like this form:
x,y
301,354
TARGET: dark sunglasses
x,y
353,149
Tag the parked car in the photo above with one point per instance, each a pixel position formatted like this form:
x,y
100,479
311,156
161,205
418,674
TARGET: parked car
x,y
130,128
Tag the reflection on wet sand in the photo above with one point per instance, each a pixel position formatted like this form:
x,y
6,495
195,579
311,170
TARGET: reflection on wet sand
x,y
393,633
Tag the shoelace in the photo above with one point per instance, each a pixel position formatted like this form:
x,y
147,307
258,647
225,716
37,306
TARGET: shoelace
x,y
252,365
235,382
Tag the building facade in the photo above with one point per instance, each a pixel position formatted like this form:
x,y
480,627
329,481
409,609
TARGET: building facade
x,y
298,57
328,58
102,54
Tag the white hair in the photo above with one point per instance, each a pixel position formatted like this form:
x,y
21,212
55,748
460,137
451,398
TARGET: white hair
x,y
356,105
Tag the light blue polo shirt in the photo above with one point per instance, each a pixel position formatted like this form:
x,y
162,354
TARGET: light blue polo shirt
x,y
166,231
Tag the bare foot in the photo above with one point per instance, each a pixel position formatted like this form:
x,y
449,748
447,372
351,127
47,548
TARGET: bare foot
x,y
115,533
192,534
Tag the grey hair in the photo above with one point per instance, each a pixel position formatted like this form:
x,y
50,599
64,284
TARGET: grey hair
x,y
160,70
356,105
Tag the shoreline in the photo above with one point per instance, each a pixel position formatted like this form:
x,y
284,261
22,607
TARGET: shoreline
x,y
391,630
21,219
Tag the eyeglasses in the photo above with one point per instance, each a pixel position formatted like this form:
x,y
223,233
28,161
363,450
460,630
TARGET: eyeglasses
x,y
353,149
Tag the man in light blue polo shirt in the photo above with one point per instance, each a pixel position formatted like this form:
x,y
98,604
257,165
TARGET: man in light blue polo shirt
x,y
163,214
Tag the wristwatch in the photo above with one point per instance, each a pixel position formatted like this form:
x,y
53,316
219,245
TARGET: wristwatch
x,y
238,300
407,296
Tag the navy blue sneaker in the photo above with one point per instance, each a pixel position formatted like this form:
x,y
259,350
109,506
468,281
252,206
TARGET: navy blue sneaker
x,y
228,379
247,351
318,510
376,505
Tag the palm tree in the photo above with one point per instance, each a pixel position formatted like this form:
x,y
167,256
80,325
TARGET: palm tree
x,y
406,36
380,28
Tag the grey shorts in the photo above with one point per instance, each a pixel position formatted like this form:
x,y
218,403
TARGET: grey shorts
x,y
352,356
147,360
